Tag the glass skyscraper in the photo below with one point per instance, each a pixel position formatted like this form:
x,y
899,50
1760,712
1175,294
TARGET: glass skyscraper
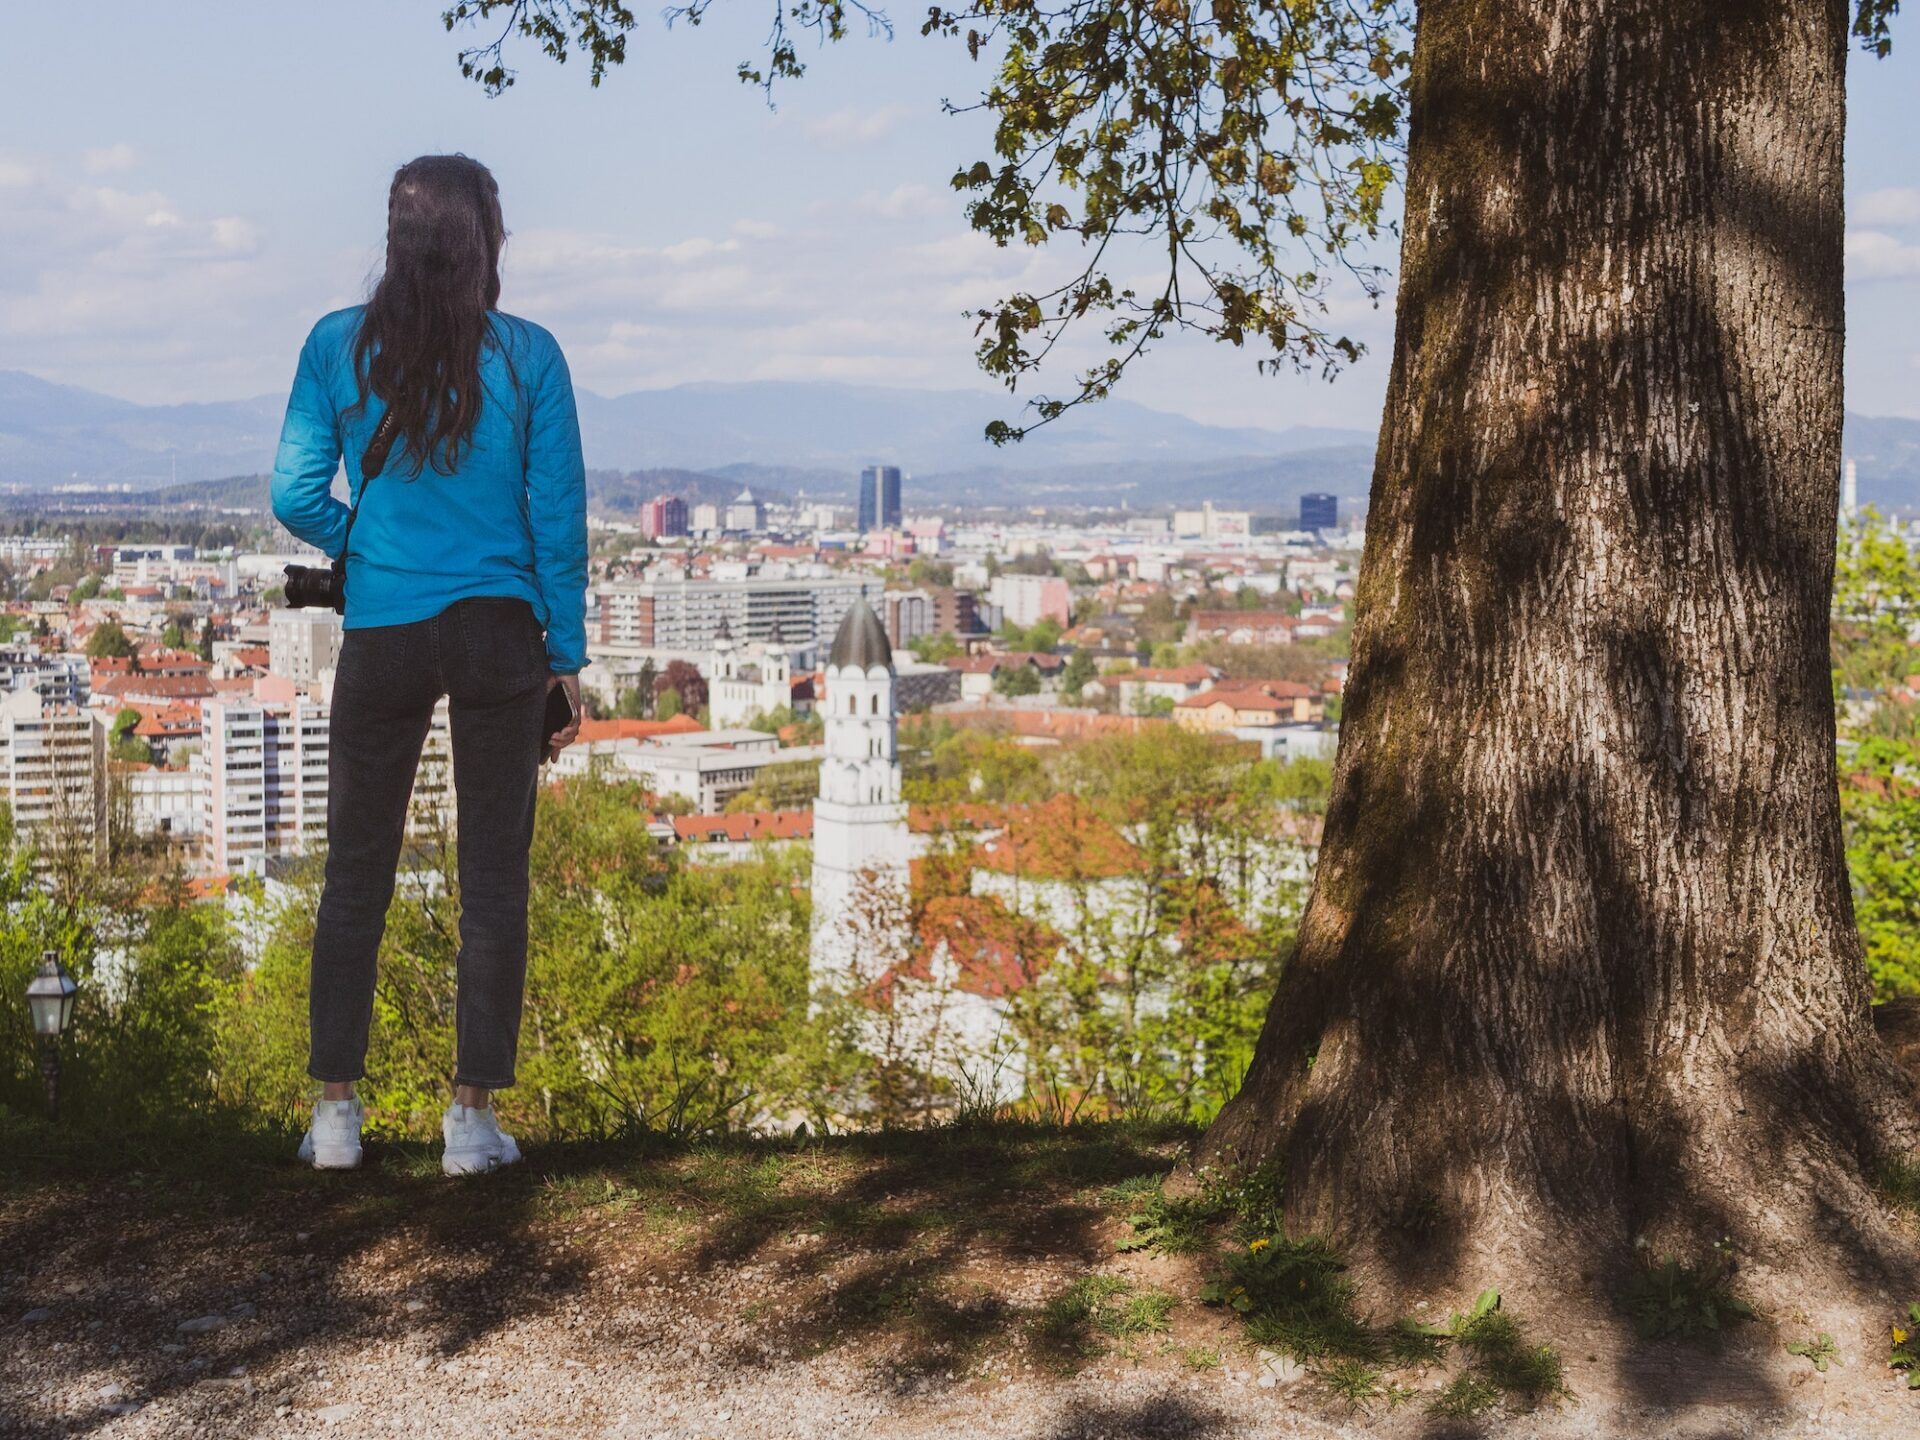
x,y
879,498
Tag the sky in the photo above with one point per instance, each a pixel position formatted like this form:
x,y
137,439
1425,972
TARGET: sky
x,y
183,189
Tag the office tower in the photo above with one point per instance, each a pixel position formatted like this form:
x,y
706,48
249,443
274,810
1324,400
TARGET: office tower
x,y
879,498
664,517
1319,512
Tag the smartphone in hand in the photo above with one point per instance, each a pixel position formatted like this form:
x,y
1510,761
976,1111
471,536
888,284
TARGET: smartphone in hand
x,y
559,717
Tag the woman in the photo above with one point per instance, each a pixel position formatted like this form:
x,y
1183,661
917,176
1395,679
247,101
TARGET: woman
x,y
465,578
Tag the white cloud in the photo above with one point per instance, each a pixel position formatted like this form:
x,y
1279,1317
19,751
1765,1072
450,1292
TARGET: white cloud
x,y
1897,206
908,202
1876,255
851,127
121,288
108,160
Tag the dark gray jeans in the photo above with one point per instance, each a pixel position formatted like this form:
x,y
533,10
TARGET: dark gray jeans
x,y
489,657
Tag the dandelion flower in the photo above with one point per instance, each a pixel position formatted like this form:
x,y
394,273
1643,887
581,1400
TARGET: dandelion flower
x,y
1899,1336
1257,1246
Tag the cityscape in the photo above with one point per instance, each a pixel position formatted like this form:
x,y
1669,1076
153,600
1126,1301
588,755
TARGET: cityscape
x,y
162,690
1227,704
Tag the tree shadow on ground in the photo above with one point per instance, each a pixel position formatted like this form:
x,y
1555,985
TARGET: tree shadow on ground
x,y
887,1243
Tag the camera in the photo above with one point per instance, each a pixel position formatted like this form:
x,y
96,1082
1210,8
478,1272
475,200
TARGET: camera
x,y
310,587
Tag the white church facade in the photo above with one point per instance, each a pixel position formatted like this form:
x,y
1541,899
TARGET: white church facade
x,y
863,941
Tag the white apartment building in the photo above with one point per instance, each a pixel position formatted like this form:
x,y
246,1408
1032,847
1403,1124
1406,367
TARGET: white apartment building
x,y
58,679
53,767
1028,599
171,804
805,604
263,768
302,643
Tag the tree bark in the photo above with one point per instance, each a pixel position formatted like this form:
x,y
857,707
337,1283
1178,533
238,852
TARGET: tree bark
x,y
1579,967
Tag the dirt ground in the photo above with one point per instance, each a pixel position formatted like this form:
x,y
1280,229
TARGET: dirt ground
x,y
903,1286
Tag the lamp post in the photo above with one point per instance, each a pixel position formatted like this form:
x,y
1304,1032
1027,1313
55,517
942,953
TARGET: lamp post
x,y
50,999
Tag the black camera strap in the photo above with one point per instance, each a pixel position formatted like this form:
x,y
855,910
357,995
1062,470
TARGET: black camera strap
x,y
372,461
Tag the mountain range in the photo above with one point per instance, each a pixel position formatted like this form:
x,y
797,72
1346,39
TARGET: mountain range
x,y
797,438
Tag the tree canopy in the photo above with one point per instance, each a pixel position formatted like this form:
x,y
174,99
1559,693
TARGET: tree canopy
x,y
1251,144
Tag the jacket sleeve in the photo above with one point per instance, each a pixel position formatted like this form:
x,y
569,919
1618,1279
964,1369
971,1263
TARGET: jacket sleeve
x,y
557,508
309,455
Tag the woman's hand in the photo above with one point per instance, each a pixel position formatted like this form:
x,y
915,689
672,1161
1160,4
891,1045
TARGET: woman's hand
x,y
567,736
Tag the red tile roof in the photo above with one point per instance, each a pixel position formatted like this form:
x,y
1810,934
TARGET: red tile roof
x,y
752,825
604,730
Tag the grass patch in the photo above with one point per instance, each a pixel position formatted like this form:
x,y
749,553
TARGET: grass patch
x,y
1354,1381
1499,1354
1173,1227
1465,1396
1294,1296
1669,1300
1076,1323
1898,1179
1200,1357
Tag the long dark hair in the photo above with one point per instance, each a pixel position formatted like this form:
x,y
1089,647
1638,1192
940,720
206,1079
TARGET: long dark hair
x,y
423,332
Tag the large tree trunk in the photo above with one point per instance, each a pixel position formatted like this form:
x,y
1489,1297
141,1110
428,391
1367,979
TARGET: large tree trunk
x,y
1580,962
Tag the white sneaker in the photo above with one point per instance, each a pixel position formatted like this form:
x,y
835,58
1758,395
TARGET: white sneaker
x,y
333,1140
475,1141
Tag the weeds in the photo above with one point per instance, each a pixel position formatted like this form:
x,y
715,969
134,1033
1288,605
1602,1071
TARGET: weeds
x,y
1173,1227
1200,1357
1099,1305
1905,1355
1820,1350
1671,1301
1531,1374
1354,1381
1466,1396
1899,1182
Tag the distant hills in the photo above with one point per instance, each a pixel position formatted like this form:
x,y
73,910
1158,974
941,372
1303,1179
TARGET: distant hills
x,y
705,441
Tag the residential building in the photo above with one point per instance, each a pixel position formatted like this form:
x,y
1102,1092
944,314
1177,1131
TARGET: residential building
x,y
265,780
1028,599
907,615
804,604
1244,627
53,769
879,498
57,679
303,643
663,518
1251,703
704,519
956,612
1136,690
164,803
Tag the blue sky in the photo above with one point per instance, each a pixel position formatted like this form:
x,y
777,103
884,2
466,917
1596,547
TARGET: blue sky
x,y
183,188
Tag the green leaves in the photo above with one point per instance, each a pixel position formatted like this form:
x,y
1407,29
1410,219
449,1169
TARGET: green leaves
x,y
1235,139
1872,23
1905,1353
1820,1350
